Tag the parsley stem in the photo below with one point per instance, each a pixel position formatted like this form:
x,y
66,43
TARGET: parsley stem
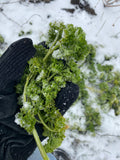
x,y
51,50
25,87
55,41
34,132
39,144
51,130
94,90
51,76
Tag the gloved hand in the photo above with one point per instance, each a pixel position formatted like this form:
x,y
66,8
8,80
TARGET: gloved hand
x,y
15,143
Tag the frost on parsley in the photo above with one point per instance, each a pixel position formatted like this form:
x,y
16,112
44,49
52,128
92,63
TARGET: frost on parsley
x,y
47,72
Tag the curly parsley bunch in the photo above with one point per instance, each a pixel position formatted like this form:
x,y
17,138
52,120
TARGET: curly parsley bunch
x,y
44,77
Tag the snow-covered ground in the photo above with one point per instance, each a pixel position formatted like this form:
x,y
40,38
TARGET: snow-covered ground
x,y
102,31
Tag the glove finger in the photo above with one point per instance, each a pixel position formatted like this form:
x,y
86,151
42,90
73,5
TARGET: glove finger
x,y
66,97
14,61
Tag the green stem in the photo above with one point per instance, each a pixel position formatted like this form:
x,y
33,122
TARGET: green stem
x,y
45,124
94,90
34,132
51,50
51,76
39,144
55,41
25,87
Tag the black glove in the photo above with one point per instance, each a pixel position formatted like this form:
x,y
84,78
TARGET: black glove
x,y
15,143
